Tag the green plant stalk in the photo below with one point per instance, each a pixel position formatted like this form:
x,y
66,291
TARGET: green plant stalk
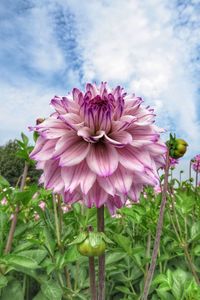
x,y
158,232
190,169
14,220
93,291
56,222
148,251
76,276
190,263
58,236
101,278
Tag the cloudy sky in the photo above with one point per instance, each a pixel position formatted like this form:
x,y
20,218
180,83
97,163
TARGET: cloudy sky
x,y
151,47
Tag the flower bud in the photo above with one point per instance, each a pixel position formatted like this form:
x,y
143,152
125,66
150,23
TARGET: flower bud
x,y
177,147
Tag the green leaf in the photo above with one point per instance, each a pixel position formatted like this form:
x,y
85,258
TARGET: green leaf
x,y
12,291
3,281
106,239
4,182
24,138
25,196
195,231
79,239
21,260
123,242
37,255
52,290
71,254
40,296
49,241
114,257
179,280
196,250
124,290
95,239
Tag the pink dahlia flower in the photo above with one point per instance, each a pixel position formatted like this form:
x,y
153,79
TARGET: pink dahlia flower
x,y
99,146
196,163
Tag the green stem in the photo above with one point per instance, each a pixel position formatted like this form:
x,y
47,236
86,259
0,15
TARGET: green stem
x,y
56,221
92,279
101,279
58,236
14,220
158,233
191,265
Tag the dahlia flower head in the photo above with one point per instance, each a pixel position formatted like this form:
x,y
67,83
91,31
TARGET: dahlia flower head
x,y
100,147
196,163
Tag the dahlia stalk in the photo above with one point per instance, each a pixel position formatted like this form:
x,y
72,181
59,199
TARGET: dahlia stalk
x,y
99,146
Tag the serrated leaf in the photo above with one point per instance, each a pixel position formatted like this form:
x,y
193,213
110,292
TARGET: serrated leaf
x,y
106,239
21,260
71,255
52,290
79,239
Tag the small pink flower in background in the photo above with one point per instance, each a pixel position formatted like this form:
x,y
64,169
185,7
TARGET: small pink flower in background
x,y
4,201
173,162
157,189
36,216
196,163
42,205
99,146
66,208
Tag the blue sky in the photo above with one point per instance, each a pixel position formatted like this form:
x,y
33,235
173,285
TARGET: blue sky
x,y
150,47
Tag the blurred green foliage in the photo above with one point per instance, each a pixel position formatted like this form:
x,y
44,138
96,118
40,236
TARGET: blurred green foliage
x,y
11,165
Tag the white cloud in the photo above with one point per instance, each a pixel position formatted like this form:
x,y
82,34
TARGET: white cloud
x,y
139,44
136,44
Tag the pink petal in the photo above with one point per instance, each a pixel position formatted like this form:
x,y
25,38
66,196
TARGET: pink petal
x,y
46,152
88,134
71,150
79,174
119,138
157,148
102,159
124,123
121,180
70,198
38,146
105,184
92,89
129,160
52,128
74,121
96,196
114,202
59,105
135,191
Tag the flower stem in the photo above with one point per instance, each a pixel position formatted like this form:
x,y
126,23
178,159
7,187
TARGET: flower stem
x,y
191,265
58,235
101,279
92,279
14,220
158,233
